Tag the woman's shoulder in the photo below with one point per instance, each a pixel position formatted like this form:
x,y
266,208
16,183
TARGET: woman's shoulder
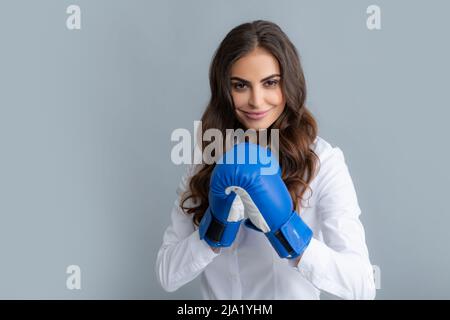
x,y
331,160
321,146
323,149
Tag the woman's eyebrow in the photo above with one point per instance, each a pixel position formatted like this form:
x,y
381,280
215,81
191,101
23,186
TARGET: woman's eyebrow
x,y
246,81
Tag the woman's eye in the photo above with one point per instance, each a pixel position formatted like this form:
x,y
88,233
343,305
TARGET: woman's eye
x,y
239,85
272,83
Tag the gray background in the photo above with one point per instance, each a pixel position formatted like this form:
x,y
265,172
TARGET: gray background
x,y
86,117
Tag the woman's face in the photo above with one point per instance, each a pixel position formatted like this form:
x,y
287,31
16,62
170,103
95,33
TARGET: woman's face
x,y
256,89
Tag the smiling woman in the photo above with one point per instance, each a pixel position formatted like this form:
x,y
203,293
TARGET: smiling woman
x,y
286,249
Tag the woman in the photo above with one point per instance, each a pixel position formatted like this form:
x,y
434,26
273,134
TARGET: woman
x,y
257,82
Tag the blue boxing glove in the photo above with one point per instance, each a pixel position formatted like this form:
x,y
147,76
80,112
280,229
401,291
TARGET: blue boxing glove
x,y
221,221
244,171
268,203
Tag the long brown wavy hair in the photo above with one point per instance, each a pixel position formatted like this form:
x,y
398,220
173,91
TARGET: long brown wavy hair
x,y
297,126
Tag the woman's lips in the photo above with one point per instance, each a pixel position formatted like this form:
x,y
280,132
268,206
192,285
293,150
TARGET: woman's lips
x,y
255,115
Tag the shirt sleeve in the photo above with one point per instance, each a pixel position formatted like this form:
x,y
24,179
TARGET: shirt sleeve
x,y
340,263
182,255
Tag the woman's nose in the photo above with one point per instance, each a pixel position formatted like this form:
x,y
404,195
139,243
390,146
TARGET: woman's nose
x,y
256,99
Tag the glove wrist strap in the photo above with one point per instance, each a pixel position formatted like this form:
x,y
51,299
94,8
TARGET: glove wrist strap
x,y
217,233
292,238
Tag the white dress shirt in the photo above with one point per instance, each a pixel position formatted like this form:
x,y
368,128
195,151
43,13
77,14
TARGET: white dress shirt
x,y
336,260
